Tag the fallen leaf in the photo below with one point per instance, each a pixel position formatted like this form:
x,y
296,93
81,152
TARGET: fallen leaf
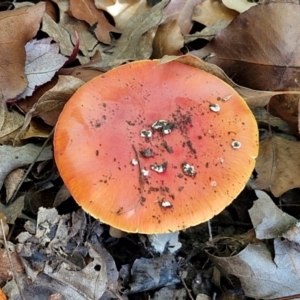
x,y
239,5
265,119
59,34
51,103
37,129
286,108
42,62
209,12
263,274
253,98
14,210
64,32
91,281
270,58
168,40
4,229
268,220
122,10
208,32
62,195
293,234
161,242
12,181
153,273
10,123
277,165
43,286
182,12
5,266
17,28
15,157
86,10
137,38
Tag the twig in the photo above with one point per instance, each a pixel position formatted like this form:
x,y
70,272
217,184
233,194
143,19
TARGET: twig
x,y
31,166
186,288
11,264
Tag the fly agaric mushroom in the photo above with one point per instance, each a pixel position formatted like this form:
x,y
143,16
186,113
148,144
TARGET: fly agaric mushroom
x,y
153,148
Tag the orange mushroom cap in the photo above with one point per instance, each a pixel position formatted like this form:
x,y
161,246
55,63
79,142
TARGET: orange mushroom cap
x,y
152,148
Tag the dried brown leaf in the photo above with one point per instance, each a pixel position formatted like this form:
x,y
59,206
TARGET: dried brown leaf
x,y
277,165
122,10
137,38
13,210
209,12
182,12
253,98
17,28
10,123
37,129
258,52
168,40
43,60
264,275
15,157
51,103
12,181
64,32
208,32
238,5
90,282
268,220
5,266
86,10
286,108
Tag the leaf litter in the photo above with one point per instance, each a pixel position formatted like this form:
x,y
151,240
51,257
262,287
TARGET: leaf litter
x,y
48,52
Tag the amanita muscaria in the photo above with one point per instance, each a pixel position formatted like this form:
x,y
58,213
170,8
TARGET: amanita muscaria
x,y
153,148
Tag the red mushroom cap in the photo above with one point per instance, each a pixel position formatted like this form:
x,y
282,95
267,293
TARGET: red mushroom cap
x,y
152,148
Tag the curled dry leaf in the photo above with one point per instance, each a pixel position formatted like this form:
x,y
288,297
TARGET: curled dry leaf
x,y
270,58
17,28
277,165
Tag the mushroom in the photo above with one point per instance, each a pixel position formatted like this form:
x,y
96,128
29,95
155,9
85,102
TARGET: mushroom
x,y
202,137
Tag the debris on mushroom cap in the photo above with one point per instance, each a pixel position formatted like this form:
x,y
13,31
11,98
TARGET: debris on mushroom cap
x,y
208,154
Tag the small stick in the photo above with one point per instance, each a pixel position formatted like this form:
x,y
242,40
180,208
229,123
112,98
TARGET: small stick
x,y
15,277
30,167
